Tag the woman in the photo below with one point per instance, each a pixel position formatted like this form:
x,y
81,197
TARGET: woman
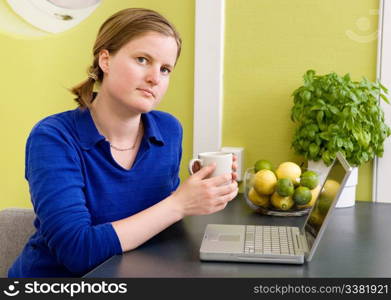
x,y
104,177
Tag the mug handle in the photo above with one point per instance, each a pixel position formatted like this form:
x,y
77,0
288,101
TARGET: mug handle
x,y
191,163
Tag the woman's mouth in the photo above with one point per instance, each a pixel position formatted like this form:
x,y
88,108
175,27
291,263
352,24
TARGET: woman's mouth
x,y
147,92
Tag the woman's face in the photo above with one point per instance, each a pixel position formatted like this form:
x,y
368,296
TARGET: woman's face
x,y
137,76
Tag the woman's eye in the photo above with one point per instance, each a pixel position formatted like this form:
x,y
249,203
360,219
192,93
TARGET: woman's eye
x,y
141,60
165,71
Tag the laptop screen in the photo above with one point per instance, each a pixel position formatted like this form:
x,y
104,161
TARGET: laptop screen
x,y
328,196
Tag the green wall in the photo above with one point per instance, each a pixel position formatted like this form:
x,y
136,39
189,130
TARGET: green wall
x,y
269,44
36,72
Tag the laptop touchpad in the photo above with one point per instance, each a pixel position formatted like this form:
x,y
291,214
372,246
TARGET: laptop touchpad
x,y
229,237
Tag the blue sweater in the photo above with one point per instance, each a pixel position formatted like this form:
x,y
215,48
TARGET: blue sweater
x,y
77,190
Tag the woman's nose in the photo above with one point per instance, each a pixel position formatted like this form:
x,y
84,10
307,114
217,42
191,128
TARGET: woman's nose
x,y
153,76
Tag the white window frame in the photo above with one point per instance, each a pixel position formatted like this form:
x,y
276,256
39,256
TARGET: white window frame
x,y
382,165
208,75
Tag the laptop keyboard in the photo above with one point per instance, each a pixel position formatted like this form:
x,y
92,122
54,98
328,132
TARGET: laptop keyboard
x,y
271,240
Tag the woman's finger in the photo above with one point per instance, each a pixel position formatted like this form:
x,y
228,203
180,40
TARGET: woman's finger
x,y
230,196
219,180
226,189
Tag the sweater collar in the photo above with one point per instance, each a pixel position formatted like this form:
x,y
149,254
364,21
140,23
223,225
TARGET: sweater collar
x,y
89,135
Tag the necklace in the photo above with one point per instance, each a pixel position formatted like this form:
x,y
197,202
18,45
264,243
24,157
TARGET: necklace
x,y
115,147
130,148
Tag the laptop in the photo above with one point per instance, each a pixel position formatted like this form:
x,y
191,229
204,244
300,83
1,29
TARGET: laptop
x,y
278,244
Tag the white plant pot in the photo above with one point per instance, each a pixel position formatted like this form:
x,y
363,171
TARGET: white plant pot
x,y
348,195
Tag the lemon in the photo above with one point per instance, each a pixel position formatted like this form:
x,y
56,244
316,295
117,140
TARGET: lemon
x,y
283,203
289,170
302,195
315,194
285,187
330,189
316,218
262,164
265,182
257,199
309,179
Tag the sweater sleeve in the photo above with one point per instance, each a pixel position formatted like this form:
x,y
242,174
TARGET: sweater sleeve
x,y
53,170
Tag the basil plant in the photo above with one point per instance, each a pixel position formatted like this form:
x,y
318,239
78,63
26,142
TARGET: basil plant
x,y
334,114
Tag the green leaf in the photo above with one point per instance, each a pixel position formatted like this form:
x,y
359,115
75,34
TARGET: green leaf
x,y
333,109
353,97
306,95
314,149
384,98
319,117
346,78
325,136
339,142
385,90
326,157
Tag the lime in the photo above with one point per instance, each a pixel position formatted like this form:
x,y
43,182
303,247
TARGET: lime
x,y
309,179
262,164
283,203
324,204
315,194
265,182
285,187
302,195
289,170
257,199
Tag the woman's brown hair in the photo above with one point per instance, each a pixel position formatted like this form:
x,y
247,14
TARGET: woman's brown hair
x,y
114,33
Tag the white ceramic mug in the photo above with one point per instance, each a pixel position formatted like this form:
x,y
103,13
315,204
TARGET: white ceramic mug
x,y
223,162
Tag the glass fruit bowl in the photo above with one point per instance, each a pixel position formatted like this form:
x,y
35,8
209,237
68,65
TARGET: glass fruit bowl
x,y
264,205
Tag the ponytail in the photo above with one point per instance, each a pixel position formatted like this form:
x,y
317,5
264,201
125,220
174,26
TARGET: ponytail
x,y
84,91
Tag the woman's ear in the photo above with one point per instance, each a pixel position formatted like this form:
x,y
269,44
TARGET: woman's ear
x,y
104,60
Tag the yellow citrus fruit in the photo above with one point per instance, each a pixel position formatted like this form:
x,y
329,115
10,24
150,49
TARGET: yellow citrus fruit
x,y
257,199
265,182
289,170
330,189
316,218
283,203
262,164
315,194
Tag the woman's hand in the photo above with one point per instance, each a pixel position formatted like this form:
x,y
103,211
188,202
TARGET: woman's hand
x,y
234,167
199,195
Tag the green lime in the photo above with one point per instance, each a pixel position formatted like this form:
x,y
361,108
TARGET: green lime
x,y
323,204
262,164
285,187
302,195
309,179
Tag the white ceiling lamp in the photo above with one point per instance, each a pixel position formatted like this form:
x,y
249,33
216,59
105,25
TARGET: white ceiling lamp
x,y
54,16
